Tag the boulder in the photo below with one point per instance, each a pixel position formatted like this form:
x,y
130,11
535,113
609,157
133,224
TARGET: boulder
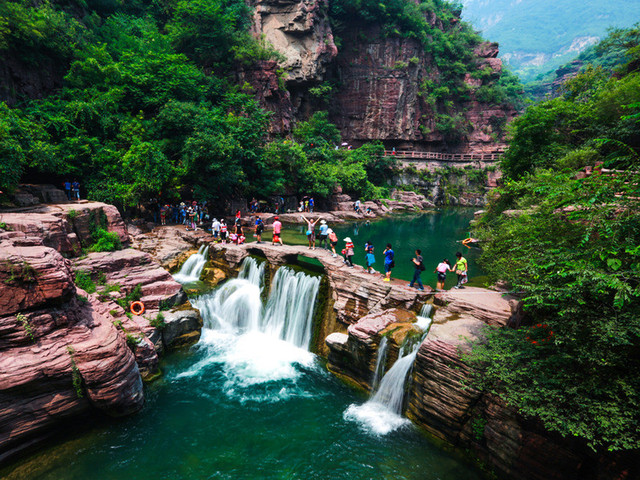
x,y
182,328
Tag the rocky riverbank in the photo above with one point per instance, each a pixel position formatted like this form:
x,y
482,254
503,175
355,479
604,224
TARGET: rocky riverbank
x,y
67,351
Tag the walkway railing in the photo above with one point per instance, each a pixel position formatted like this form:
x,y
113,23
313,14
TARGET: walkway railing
x,y
446,157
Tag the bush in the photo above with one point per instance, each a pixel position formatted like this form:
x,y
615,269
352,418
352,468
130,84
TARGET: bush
x,y
84,281
158,322
106,241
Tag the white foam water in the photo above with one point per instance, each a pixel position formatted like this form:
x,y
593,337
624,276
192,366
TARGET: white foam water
x,y
192,269
259,344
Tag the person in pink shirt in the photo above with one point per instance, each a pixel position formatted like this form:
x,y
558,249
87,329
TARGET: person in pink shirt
x,y
442,269
277,228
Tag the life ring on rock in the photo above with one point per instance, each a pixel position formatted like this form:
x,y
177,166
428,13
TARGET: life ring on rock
x,y
137,308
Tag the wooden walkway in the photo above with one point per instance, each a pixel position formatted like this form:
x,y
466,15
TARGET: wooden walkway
x,y
412,155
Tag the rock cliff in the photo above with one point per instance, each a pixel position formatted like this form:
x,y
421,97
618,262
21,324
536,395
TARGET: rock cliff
x,y
66,352
378,80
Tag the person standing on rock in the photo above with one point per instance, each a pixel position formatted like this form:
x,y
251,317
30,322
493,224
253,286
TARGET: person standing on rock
x,y
223,231
311,232
368,254
67,189
333,240
417,270
259,230
441,270
75,189
349,251
215,229
277,228
389,262
311,204
462,268
324,231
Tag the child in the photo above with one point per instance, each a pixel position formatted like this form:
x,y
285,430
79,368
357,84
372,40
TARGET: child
x,y
349,252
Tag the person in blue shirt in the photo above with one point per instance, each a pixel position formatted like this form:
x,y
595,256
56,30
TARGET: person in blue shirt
x,y
311,204
322,238
67,189
388,262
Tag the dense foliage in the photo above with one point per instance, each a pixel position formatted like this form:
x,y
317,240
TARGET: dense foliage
x,y
149,107
570,246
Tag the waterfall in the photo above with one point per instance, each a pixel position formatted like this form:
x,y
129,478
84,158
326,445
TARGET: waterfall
x,y
380,361
252,271
289,311
382,412
236,307
192,268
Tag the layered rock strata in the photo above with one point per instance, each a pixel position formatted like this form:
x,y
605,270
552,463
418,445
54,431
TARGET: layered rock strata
x,y
65,352
59,357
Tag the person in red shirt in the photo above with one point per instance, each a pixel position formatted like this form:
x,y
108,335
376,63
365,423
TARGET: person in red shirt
x,y
277,228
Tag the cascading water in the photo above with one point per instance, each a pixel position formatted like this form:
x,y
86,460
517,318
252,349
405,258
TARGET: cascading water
x,y
192,268
382,412
259,343
380,363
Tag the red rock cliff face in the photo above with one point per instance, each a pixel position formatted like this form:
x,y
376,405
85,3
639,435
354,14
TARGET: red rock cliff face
x,y
380,97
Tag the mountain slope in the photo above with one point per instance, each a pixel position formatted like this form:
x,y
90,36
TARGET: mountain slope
x,y
536,36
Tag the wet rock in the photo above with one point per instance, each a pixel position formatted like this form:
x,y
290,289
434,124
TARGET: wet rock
x,y
182,328
354,355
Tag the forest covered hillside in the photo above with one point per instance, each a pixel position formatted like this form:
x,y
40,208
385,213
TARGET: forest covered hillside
x,y
564,231
139,99
537,36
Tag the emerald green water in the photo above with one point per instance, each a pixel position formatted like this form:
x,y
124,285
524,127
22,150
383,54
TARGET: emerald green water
x,y
248,406
438,235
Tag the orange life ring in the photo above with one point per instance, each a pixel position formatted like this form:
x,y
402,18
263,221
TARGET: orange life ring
x,y
137,308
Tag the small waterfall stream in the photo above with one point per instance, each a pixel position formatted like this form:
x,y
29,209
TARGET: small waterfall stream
x,y
192,268
382,413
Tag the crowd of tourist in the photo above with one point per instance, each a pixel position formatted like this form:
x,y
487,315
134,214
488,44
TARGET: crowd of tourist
x,y
194,215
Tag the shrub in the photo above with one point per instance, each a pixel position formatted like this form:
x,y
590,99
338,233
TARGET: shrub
x,y
84,281
106,241
158,322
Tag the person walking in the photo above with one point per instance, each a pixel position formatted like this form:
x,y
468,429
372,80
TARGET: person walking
x,y
417,271
349,251
311,204
67,189
277,228
369,258
441,271
215,229
389,262
192,218
311,232
461,268
333,241
75,190
324,232
259,230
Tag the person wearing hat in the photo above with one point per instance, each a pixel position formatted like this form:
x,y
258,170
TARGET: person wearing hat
x,y
322,238
348,252
277,227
